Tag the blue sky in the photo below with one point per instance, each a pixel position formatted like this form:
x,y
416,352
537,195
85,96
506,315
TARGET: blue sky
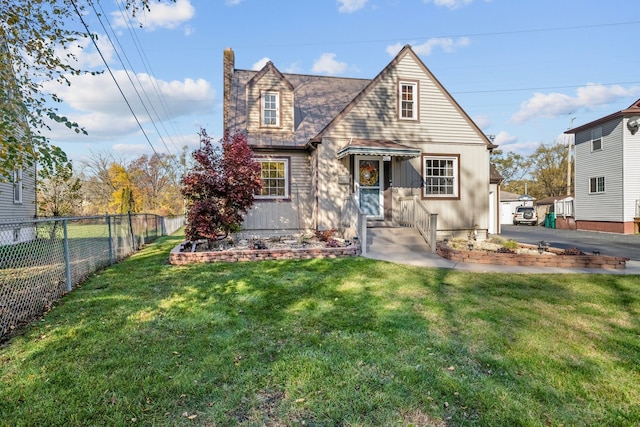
x,y
523,70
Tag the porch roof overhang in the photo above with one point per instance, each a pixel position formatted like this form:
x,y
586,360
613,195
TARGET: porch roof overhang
x,y
376,147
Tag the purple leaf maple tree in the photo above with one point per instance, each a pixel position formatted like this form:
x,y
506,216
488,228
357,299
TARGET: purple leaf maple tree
x,y
220,188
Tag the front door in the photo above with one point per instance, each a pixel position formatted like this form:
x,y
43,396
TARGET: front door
x,y
369,172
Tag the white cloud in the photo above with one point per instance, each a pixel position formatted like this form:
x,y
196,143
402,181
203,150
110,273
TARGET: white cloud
x,y
349,6
327,64
260,63
86,55
482,121
162,15
504,138
451,4
448,45
233,2
98,106
557,104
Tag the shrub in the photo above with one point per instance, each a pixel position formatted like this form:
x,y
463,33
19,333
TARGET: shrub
x,y
220,188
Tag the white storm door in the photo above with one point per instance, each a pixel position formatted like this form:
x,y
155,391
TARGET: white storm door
x,y
369,171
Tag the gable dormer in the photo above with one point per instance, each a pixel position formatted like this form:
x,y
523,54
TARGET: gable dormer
x,y
270,101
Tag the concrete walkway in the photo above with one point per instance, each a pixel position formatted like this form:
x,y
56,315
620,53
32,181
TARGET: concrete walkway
x,y
405,246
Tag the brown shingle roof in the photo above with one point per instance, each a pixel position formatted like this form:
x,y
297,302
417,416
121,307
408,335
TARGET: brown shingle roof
x,y
318,99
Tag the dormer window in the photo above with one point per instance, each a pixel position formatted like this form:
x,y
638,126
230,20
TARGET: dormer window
x,y
270,109
408,100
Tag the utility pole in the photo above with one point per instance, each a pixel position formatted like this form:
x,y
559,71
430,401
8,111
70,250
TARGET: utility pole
x,y
569,159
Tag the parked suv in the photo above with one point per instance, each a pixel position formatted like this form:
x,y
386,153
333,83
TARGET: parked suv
x,y
525,215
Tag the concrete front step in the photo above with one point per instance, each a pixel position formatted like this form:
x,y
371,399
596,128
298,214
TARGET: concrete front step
x,y
398,239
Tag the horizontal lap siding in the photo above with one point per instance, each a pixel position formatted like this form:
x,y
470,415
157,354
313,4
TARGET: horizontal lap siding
x,y
270,82
27,209
442,128
286,215
608,162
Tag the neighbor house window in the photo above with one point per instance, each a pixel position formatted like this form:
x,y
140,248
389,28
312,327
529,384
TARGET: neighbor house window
x,y
441,176
270,109
596,139
408,97
596,185
17,186
275,178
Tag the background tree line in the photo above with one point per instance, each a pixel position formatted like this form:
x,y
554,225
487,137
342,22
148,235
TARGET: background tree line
x,y
108,183
540,174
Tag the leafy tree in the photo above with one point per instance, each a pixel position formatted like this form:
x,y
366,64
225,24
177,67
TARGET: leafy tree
x,y
36,41
513,168
549,170
59,192
220,187
157,178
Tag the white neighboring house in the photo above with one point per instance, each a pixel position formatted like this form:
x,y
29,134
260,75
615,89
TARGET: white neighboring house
x,y
607,175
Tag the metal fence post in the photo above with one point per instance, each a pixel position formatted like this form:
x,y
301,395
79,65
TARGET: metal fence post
x,y
67,260
111,255
134,247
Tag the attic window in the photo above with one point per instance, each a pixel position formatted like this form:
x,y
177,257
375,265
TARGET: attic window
x,y
270,109
596,139
408,100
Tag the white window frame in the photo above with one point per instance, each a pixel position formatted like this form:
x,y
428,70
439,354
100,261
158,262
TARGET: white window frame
x,y
595,183
596,138
285,178
17,186
413,102
452,173
264,108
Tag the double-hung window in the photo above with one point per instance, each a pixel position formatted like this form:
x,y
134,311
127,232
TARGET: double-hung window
x,y
596,184
17,186
408,100
270,109
274,176
441,176
596,139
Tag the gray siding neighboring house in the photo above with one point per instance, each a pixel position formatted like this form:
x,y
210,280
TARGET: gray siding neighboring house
x,y
607,176
18,202
375,140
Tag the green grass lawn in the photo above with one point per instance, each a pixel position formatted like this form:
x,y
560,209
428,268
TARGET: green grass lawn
x,y
351,342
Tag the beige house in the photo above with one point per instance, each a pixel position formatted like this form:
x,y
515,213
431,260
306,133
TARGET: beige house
x,y
392,148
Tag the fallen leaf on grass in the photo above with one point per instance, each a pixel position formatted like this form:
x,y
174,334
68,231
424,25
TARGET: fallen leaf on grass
x,y
186,415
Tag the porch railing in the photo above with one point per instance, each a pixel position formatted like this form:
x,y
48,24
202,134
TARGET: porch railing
x,y
413,213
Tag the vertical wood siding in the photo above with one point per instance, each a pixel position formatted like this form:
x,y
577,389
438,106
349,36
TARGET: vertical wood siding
x,y
293,214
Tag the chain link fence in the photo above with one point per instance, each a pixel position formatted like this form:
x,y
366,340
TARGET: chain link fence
x,y
42,259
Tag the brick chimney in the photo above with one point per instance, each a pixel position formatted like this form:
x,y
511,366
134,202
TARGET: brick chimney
x,y
228,67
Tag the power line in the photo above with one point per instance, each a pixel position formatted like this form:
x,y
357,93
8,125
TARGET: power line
x,y
487,34
149,70
93,40
129,75
541,88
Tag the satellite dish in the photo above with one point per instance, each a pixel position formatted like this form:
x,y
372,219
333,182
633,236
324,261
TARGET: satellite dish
x,y
633,124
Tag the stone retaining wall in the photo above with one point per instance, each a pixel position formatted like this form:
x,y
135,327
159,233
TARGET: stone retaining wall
x,y
177,257
557,260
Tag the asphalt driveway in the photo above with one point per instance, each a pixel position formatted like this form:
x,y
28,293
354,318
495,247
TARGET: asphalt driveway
x,y
613,244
